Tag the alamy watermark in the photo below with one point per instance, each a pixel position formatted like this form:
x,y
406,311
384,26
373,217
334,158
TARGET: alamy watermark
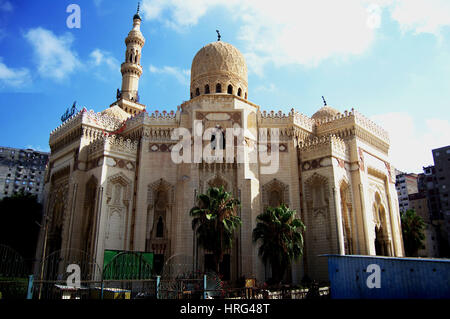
x,y
216,145
74,278
74,19
374,279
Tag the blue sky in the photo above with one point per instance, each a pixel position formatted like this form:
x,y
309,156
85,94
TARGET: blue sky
x,y
389,59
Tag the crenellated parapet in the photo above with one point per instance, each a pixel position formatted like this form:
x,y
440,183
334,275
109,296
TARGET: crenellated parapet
x,y
371,127
163,118
72,122
88,124
112,144
102,121
153,125
352,123
329,145
273,118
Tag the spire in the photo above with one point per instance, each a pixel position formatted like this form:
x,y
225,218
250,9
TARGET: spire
x,y
218,35
324,102
137,16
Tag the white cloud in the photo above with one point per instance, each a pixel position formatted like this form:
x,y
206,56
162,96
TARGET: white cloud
x,y
181,13
421,16
412,141
283,32
303,32
181,75
6,6
14,77
99,57
266,88
54,55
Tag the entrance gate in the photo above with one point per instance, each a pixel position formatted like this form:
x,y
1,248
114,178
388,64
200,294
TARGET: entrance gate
x,y
13,274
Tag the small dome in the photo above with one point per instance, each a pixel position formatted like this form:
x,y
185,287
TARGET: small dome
x,y
219,63
137,16
325,112
117,112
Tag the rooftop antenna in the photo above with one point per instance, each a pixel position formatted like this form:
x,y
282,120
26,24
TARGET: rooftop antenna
x,y
218,35
324,102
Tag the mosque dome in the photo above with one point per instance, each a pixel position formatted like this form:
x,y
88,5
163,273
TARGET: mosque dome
x,y
117,112
325,112
219,68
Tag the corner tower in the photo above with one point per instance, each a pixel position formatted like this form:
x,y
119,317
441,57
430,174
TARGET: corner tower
x,y
131,69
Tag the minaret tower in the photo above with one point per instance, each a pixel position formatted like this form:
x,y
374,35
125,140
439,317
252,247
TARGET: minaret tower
x,y
131,69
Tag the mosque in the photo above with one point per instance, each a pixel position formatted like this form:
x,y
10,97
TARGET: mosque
x,y
112,182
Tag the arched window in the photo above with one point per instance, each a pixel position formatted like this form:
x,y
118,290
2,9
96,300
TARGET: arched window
x,y
160,228
245,95
275,198
230,89
214,142
218,88
239,92
206,89
192,95
197,92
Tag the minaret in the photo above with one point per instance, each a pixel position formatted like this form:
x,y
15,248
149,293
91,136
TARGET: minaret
x,y
131,69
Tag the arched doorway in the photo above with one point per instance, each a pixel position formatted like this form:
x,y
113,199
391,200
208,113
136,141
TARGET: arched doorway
x,y
382,240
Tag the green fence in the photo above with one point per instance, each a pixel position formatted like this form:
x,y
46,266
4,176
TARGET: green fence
x,y
126,265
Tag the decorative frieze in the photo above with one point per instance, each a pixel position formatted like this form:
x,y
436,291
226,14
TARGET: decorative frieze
x,y
113,144
160,147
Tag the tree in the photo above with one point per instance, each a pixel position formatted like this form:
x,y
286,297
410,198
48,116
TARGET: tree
x,y
413,228
20,216
215,220
281,238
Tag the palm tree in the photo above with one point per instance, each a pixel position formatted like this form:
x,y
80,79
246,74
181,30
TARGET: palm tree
x,y
413,228
215,220
281,238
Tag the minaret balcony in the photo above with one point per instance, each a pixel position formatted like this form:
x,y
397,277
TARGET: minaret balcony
x,y
129,67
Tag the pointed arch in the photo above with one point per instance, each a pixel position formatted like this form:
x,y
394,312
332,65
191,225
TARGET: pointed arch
x,y
118,197
275,193
89,216
382,240
158,186
317,193
123,181
347,216
160,200
218,181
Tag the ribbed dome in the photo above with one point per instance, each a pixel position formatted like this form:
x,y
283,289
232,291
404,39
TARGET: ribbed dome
x,y
218,63
325,112
117,112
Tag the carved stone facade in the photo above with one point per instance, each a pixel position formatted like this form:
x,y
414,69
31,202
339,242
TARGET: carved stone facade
x,y
112,182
